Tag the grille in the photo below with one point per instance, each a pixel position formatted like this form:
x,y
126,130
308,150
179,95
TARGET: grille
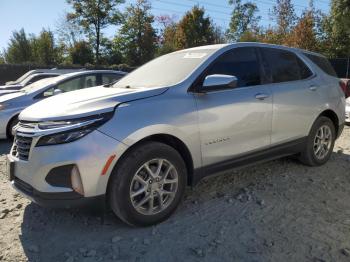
x,y
21,147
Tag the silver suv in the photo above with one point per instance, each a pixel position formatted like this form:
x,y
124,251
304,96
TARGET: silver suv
x,y
138,143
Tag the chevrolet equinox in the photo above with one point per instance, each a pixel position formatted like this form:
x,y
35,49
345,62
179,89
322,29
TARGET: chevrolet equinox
x,y
138,143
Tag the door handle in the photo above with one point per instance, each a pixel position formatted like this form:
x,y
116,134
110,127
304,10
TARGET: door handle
x,y
261,96
313,88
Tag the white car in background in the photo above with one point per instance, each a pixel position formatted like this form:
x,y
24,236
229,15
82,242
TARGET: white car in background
x,y
347,111
27,81
12,104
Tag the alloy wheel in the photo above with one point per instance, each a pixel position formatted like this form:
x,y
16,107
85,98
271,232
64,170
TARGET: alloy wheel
x,y
322,142
154,186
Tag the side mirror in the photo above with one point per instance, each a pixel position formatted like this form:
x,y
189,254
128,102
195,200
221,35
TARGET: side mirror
x,y
57,91
219,82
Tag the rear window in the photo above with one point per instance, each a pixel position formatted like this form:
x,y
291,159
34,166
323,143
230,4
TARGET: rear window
x,y
284,66
322,63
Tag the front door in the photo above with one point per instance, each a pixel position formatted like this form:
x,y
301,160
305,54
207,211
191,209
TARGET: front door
x,y
238,120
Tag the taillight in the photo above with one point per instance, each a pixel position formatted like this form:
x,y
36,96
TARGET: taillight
x,y
343,87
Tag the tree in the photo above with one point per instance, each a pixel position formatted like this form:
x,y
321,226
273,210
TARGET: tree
x,y
19,49
44,49
2,58
337,26
285,16
194,29
81,53
167,34
137,37
93,16
244,20
68,32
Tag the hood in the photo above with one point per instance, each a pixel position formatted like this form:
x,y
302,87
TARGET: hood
x,y
4,92
11,87
7,97
84,102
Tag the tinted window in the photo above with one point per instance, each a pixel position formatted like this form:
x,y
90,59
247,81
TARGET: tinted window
x,y
284,66
78,83
322,63
110,78
241,63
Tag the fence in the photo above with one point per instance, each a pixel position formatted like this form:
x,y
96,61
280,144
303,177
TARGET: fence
x,y
9,72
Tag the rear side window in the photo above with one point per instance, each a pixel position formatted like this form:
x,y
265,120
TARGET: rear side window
x,y
241,63
284,66
110,78
322,63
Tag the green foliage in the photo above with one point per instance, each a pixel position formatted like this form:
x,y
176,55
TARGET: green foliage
x,y
81,53
244,20
93,16
43,48
19,49
284,14
137,37
194,29
337,27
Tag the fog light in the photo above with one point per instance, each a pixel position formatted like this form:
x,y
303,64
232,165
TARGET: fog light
x,y
77,185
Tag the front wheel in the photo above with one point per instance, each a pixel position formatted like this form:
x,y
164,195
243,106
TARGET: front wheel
x,y
148,184
320,143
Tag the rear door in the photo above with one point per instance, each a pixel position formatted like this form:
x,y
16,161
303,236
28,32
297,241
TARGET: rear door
x,y
237,120
295,90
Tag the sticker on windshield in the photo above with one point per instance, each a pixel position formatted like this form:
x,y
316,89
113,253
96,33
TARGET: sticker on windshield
x,y
195,55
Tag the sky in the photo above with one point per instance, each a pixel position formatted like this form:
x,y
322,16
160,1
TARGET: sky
x,y
33,15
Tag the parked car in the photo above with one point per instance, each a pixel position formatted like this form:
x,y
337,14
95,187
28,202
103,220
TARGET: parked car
x,y
347,111
345,85
172,122
40,71
6,89
12,104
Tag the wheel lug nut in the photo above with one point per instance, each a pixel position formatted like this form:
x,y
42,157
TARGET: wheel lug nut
x,y
150,181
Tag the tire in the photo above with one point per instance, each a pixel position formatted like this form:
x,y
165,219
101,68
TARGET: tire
x,y
13,122
124,183
310,155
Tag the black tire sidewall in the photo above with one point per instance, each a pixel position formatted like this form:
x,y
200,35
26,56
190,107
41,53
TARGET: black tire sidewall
x,y
122,176
310,154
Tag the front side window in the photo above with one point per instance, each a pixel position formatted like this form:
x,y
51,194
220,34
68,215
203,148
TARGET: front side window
x,y
241,63
284,66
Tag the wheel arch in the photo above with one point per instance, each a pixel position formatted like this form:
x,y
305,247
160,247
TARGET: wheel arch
x,y
333,117
169,140
8,135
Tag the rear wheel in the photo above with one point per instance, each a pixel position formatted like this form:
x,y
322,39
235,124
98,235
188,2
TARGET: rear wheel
x,y
320,143
148,184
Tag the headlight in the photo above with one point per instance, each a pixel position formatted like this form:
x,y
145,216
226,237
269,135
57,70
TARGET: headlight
x,y
2,106
70,130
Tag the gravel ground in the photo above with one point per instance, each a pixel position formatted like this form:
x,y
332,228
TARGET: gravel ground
x,y
277,211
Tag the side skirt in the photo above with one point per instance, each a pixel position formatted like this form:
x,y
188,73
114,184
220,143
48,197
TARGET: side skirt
x,y
286,149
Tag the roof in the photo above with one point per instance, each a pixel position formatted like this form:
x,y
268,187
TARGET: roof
x,y
81,73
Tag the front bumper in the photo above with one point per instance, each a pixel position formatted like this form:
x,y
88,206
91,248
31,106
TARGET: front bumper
x,y
89,154
56,200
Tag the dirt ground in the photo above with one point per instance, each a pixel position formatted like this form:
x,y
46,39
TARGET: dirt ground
x,y
277,211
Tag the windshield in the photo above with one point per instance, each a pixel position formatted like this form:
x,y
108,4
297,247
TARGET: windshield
x,y
166,70
19,80
38,85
